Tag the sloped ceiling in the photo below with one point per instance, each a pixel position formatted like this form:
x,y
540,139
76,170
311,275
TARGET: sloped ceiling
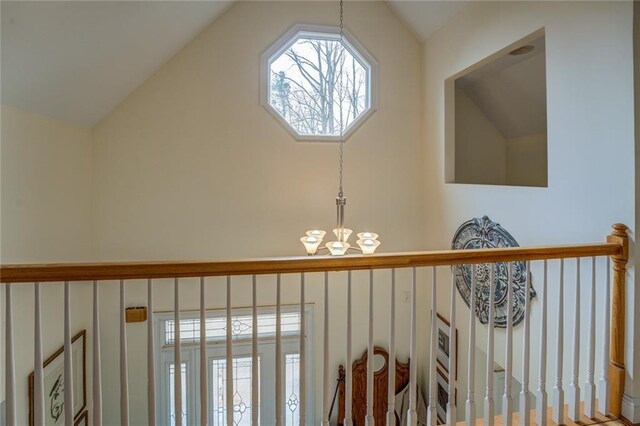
x,y
425,17
75,61
511,92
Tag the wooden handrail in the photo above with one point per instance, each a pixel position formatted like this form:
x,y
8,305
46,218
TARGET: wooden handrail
x,y
30,273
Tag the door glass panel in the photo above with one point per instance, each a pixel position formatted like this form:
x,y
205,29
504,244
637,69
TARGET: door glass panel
x,y
242,408
172,400
292,389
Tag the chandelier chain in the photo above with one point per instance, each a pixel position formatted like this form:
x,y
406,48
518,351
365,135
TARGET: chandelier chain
x,y
341,158
341,19
367,241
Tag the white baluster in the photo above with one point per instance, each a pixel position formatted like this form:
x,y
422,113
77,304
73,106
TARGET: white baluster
x,y
255,391
391,384
97,363
348,421
412,415
541,394
279,387
303,377
177,356
326,389
68,357
489,406
229,371
451,404
369,420
38,376
10,366
525,402
603,384
124,379
558,393
590,386
507,400
431,408
470,409
204,400
151,358
574,387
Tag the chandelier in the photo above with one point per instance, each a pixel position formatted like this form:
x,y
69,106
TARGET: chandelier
x,y
367,241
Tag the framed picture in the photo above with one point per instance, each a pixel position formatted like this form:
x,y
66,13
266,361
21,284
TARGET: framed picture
x,y
442,340
83,419
442,396
54,383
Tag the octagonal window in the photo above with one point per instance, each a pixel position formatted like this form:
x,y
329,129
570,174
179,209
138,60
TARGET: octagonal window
x,y
318,85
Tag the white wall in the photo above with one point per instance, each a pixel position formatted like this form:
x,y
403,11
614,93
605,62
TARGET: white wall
x,y
590,137
192,166
636,76
46,207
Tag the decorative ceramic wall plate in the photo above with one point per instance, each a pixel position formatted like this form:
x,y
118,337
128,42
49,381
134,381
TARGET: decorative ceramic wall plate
x,y
483,233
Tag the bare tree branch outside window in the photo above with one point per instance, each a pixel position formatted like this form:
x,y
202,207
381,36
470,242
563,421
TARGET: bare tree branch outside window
x,y
318,86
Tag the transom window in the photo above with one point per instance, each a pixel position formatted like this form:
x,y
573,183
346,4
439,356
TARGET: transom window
x,y
318,85
241,327
241,330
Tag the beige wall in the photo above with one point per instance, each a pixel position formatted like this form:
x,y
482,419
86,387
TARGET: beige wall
x,y
527,160
46,209
46,189
193,153
192,166
480,152
590,140
484,156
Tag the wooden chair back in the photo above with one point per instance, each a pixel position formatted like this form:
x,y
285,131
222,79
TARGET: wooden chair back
x,y
359,387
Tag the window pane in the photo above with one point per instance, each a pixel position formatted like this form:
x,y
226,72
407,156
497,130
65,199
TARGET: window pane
x,y
172,404
241,327
318,86
242,408
292,389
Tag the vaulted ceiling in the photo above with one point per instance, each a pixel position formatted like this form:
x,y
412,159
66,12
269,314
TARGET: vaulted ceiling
x,y
425,17
76,61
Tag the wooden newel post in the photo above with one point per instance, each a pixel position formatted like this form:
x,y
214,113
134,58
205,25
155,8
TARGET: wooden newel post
x,y
616,358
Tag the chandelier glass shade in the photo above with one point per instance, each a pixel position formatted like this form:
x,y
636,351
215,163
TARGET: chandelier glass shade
x,y
367,242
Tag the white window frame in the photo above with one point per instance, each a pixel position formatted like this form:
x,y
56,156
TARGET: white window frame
x,y
190,355
319,31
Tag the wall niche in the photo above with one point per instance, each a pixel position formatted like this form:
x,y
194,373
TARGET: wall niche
x,y
496,118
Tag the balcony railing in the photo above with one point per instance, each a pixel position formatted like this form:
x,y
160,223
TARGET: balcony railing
x,y
599,397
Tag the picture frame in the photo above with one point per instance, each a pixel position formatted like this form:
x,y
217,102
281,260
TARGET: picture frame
x,y
442,396
53,370
82,420
443,329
